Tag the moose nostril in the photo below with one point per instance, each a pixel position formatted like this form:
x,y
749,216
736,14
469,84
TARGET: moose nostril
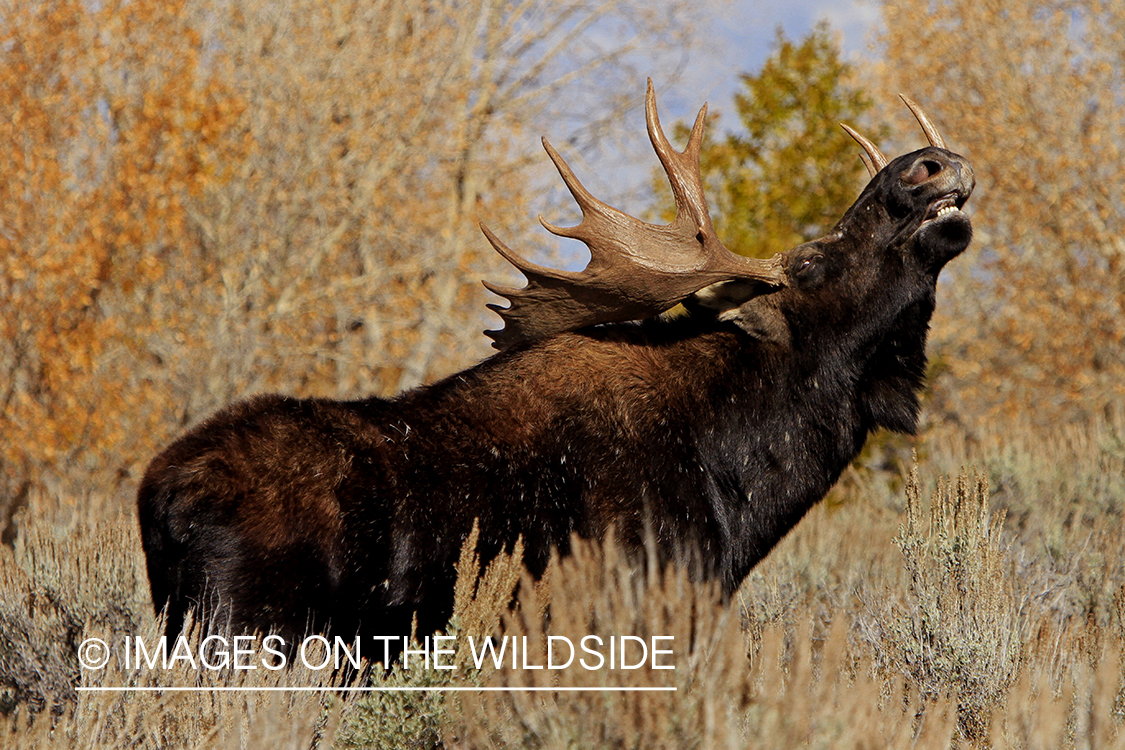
x,y
921,172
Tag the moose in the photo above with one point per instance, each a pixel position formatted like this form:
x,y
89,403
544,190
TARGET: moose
x,y
707,434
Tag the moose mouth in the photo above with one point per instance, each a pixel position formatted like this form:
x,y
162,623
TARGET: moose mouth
x,y
942,207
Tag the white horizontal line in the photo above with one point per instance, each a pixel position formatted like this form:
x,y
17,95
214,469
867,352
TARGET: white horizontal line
x,y
223,689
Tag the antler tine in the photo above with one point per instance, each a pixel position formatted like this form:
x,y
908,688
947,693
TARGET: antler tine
x,y
636,269
586,201
932,134
875,160
871,170
682,168
541,281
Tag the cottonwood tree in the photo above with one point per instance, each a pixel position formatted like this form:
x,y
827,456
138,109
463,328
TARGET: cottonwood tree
x,y
111,125
208,200
1034,91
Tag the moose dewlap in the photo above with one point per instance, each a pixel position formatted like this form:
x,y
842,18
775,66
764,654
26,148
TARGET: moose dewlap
x,y
708,435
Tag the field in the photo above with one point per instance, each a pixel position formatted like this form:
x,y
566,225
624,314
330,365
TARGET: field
x,y
974,596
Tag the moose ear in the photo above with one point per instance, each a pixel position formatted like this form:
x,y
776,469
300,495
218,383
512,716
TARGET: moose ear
x,y
762,320
742,302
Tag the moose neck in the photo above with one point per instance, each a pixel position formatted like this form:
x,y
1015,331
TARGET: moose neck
x,y
797,416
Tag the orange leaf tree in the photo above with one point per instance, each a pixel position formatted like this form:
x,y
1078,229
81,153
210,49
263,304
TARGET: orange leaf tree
x,y
112,125
206,200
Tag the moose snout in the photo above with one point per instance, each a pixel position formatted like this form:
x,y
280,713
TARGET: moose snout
x,y
941,172
965,175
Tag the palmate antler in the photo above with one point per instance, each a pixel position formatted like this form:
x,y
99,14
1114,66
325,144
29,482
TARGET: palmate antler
x,y
636,269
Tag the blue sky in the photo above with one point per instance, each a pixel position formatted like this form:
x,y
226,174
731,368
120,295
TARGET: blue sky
x,y
745,33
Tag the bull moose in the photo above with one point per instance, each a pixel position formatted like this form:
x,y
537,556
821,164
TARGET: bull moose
x,y
708,434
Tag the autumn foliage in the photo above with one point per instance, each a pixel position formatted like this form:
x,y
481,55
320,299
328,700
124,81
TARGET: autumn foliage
x,y
203,201
1031,93
112,127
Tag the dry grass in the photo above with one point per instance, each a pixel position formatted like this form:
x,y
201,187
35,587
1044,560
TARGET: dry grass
x,y
946,606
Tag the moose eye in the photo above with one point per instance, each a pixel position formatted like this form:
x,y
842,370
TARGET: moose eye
x,y
807,263
809,270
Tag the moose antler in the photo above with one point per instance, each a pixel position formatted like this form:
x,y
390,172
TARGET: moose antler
x,y
636,269
874,159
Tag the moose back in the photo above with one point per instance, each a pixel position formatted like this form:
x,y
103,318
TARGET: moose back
x,y
709,434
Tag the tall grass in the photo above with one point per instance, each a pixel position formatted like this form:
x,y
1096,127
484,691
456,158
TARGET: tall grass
x,y
974,599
